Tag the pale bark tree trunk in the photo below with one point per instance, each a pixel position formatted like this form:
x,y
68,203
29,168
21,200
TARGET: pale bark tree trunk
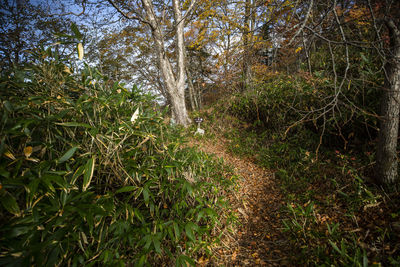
x,y
199,97
192,95
386,161
175,84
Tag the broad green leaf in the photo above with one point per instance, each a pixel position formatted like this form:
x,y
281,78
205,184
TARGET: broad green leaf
x,y
10,204
142,261
189,227
183,260
78,173
57,179
200,215
63,197
148,240
365,259
124,189
76,31
53,256
210,212
57,172
51,178
146,195
138,192
177,231
152,209
157,244
329,229
4,173
138,215
68,154
8,106
74,124
335,247
47,182
89,169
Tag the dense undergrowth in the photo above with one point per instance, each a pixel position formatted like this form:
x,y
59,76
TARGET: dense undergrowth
x,y
333,213
83,182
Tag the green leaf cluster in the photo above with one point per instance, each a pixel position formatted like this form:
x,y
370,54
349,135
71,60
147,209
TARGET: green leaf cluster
x,y
97,188
285,103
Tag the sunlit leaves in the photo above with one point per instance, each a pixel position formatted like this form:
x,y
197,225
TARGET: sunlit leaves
x,y
80,51
135,115
108,184
9,155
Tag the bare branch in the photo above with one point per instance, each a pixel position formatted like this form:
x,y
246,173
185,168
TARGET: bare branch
x,y
192,4
304,23
127,15
346,46
183,19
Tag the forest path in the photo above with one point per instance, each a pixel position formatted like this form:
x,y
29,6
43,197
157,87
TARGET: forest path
x,y
258,239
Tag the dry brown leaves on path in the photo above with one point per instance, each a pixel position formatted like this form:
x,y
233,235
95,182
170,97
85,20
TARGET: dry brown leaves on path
x,y
257,240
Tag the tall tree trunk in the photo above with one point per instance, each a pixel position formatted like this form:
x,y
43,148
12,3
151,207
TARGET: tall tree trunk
x,y
246,47
192,96
175,84
307,51
180,105
199,97
386,160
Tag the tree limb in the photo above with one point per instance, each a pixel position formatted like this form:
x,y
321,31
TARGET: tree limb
x,y
304,23
128,16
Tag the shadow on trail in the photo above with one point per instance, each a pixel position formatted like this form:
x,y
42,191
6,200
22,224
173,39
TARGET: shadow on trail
x,y
261,241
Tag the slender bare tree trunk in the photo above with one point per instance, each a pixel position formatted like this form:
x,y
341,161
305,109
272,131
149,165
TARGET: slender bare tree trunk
x,y
386,161
307,51
246,46
192,96
199,97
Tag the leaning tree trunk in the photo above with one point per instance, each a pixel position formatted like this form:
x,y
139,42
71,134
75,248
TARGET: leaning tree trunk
x,y
386,159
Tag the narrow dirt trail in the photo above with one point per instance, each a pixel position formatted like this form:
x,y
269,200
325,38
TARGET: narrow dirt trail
x,y
258,240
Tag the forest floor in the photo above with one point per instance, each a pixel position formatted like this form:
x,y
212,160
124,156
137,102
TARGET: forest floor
x,y
257,240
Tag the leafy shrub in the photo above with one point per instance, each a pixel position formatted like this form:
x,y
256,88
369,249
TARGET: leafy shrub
x,y
283,101
330,205
80,183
